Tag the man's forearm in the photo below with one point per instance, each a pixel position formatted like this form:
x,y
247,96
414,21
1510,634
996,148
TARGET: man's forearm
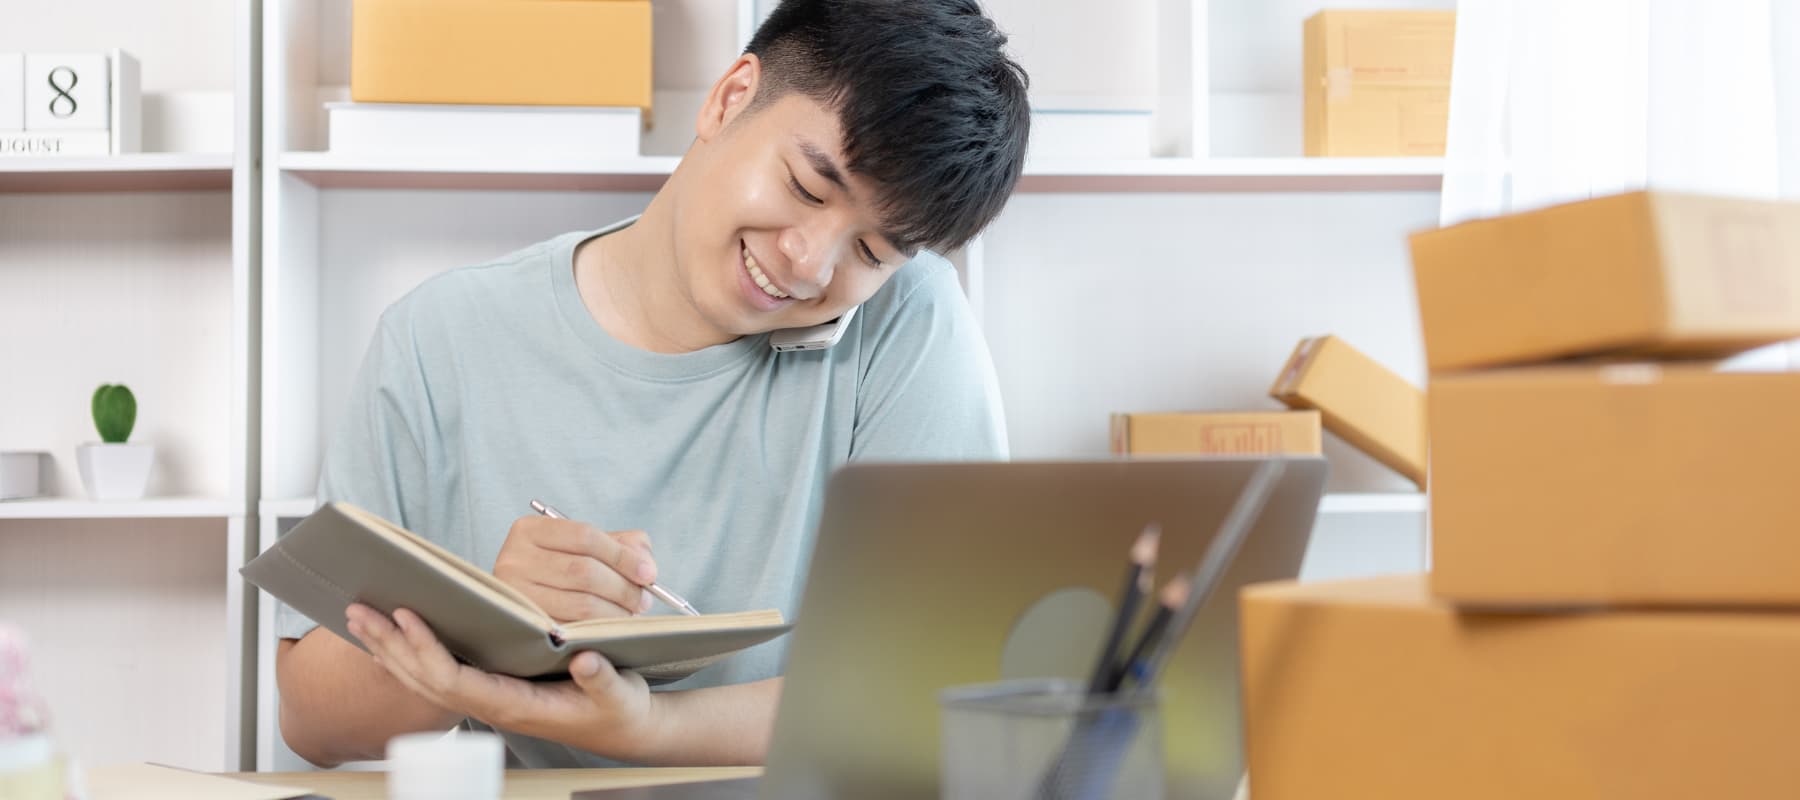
x,y
338,705
717,726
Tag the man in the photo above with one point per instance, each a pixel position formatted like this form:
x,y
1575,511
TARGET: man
x,y
624,376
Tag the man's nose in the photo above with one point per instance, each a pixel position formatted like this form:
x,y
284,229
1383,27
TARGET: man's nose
x,y
811,260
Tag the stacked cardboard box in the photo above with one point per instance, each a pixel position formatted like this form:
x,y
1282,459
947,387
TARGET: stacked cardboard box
x,y
501,52
1377,83
1612,609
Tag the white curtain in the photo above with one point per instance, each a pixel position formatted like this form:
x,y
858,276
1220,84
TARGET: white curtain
x,y
1559,100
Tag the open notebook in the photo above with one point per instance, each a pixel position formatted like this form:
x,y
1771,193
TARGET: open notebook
x,y
342,554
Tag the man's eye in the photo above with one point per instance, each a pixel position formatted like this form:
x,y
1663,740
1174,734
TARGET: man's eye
x,y
868,254
801,190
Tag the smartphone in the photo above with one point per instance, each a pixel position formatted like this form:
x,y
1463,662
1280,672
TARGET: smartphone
x,y
817,337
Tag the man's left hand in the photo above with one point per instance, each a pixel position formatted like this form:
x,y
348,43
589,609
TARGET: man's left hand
x,y
602,710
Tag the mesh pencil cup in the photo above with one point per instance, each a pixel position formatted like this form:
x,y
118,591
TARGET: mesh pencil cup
x,y
1048,739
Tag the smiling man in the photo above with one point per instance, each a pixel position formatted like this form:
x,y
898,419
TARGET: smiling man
x,y
624,375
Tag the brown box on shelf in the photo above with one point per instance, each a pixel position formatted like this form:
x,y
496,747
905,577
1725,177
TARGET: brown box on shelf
x,y
1629,484
502,52
1649,273
1363,402
1372,689
1217,433
1377,83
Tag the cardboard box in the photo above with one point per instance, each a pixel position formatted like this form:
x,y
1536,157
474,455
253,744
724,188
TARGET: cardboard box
x,y
1650,273
1377,83
502,52
1371,690
1246,433
1363,402
1618,485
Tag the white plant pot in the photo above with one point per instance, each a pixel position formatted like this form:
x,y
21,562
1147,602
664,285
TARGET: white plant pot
x,y
115,471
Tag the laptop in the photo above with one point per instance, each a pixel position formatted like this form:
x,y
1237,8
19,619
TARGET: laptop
x,y
929,576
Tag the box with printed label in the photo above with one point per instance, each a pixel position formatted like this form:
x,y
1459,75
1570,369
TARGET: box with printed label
x,y
1363,402
1217,433
1646,273
1627,484
501,52
1373,689
1377,83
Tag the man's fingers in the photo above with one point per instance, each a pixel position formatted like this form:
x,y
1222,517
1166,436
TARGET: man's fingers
x,y
633,539
388,645
564,605
585,575
621,552
593,673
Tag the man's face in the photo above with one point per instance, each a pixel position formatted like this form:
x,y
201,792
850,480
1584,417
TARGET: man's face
x,y
772,230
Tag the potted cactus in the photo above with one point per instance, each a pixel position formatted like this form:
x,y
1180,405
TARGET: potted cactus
x,y
113,469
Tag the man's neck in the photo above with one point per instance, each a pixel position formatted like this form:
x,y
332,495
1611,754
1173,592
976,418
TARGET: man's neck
x,y
628,282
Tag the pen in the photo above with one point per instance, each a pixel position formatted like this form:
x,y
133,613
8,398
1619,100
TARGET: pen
x,y
674,600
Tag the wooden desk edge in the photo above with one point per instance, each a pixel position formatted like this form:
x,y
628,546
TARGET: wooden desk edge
x,y
521,784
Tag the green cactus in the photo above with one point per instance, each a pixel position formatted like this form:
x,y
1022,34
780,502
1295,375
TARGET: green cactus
x,y
115,411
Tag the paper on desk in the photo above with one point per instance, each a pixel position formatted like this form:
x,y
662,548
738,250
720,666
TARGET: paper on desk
x,y
152,782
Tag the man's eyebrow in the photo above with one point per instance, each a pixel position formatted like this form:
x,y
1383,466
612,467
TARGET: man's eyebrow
x,y
828,169
823,164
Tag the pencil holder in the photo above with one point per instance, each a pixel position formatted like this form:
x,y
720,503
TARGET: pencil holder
x,y
1049,740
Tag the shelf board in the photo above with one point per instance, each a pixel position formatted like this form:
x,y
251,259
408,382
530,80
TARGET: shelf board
x,y
290,508
147,508
337,171
1232,175
131,172
646,173
1373,503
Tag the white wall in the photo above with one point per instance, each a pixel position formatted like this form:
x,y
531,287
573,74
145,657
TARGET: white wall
x,y
1167,302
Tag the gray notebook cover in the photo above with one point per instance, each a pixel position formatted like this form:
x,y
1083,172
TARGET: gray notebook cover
x,y
332,559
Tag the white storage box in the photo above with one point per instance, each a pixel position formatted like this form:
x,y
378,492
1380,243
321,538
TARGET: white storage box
x,y
1090,127
484,131
20,474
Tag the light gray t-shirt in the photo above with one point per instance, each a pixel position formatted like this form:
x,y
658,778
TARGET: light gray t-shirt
x,y
491,385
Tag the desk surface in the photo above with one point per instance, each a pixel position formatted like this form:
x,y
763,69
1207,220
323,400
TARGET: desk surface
x,y
521,784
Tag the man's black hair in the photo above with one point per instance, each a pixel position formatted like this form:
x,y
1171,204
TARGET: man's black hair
x,y
932,109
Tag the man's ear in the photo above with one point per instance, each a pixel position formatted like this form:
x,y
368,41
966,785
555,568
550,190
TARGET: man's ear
x,y
729,97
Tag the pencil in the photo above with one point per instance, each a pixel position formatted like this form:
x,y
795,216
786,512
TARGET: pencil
x,y
1139,578
1168,600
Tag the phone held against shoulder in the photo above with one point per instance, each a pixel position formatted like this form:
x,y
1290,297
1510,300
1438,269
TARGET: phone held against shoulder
x,y
817,337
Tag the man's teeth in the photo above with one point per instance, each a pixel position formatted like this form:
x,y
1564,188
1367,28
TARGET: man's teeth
x,y
756,274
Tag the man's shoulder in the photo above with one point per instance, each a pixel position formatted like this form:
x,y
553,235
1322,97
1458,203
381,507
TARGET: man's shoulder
x,y
921,286
472,293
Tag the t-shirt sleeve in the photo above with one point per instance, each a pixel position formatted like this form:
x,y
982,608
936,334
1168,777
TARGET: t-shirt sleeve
x,y
928,390
374,459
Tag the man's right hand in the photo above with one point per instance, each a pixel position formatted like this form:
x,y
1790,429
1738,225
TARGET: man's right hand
x,y
575,571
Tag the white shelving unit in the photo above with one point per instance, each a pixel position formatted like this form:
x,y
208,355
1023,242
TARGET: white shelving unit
x,y
139,268
1176,282
1373,503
